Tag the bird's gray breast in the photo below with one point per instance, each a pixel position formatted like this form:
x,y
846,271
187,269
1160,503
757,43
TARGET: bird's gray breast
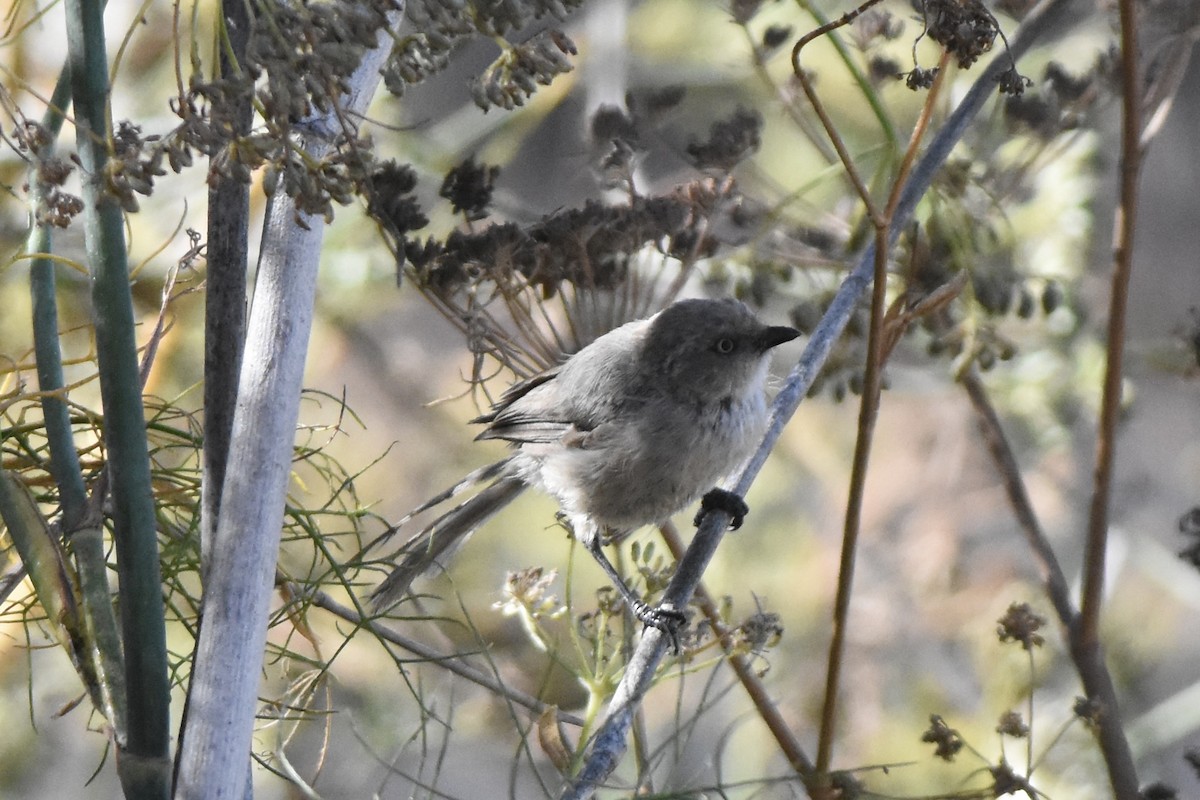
x,y
653,464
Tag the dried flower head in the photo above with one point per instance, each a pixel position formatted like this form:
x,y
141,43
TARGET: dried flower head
x,y
469,187
1021,624
729,141
1012,724
759,632
1088,710
964,27
528,591
947,740
1006,781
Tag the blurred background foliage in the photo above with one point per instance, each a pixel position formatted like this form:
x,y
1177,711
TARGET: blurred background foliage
x,y
1022,211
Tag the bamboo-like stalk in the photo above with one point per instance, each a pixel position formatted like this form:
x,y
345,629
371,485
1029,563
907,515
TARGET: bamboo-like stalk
x,y
225,292
144,765
64,459
214,758
224,307
86,536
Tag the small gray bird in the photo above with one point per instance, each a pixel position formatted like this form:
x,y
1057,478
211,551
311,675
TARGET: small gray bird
x,y
627,432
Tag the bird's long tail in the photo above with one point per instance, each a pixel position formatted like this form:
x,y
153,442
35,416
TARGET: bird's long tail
x,y
438,539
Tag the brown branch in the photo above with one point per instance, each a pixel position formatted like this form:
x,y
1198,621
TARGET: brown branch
x,y
1110,404
1053,579
877,351
1087,656
1085,646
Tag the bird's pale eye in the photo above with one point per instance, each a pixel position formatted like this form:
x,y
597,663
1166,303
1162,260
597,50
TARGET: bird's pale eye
x,y
725,345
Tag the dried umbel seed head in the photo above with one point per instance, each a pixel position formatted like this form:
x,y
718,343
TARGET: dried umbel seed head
x,y
729,141
1021,624
947,740
469,187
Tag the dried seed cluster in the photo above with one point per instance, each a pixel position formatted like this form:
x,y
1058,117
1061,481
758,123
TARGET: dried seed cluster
x,y
588,247
55,206
729,142
514,76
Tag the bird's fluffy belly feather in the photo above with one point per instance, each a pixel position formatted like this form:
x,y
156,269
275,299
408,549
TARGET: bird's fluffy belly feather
x,y
683,465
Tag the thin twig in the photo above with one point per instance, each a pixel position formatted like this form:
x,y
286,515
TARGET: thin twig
x,y
789,745
450,663
1053,580
1087,657
877,351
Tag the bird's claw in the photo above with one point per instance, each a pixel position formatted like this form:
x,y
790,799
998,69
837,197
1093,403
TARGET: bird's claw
x,y
667,620
723,500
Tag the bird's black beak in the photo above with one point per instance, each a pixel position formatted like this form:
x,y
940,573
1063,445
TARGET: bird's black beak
x,y
775,336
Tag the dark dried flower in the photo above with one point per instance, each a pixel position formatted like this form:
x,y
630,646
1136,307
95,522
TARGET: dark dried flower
x,y
1025,303
776,35
1005,781
1012,724
1066,86
881,68
946,738
920,78
1035,113
468,187
1020,624
611,123
32,136
515,75
588,247
761,631
53,171
616,165
729,141
876,23
1012,83
1052,296
964,27
389,199
744,10
1088,710
993,291
54,206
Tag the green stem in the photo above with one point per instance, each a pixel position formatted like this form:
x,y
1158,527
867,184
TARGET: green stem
x,y
144,766
103,641
64,459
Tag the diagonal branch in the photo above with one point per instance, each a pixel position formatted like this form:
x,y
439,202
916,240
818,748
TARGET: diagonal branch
x,y
1087,657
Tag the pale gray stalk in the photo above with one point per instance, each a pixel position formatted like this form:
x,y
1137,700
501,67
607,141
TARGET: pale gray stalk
x,y
215,757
